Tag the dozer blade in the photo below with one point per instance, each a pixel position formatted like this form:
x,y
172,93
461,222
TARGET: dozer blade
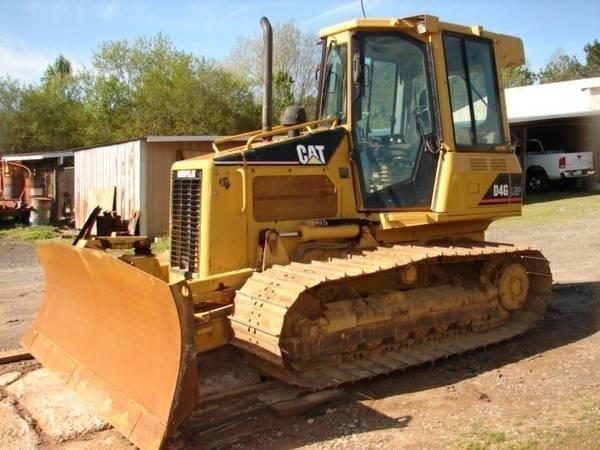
x,y
121,338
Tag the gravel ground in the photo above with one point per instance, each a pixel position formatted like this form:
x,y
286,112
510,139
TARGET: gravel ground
x,y
21,290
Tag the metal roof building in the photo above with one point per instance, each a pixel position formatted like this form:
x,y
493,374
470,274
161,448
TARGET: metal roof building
x,y
575,98
563,115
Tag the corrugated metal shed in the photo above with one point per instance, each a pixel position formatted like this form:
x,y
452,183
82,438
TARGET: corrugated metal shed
x,y
135,175
104,172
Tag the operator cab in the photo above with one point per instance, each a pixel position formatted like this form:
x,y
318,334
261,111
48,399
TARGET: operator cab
x,y
381,85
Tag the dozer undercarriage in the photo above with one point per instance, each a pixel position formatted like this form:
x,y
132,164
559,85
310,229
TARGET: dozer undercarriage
x,y
327,323
316,325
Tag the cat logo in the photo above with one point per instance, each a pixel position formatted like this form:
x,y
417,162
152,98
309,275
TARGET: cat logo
x,y
311,154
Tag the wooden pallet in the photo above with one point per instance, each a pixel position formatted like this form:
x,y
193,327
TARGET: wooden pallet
x,y
226,417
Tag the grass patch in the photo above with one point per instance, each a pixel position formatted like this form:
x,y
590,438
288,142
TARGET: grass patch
x,y
33,233
484,440
37,234
556,207
160,244
582,433
487,440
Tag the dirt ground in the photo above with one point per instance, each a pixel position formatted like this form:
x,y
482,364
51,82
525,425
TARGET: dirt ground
x,y
21,290
538,391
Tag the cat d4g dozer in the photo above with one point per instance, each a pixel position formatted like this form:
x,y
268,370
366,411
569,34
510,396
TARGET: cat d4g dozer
x,y
329,250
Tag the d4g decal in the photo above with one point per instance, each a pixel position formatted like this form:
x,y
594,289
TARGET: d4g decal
x,y
506,188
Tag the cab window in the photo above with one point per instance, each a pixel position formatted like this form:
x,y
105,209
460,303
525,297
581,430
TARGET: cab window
x,y
334,104
392,125
473,91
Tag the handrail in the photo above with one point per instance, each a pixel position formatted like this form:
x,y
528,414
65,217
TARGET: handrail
x,y
236,137
252,136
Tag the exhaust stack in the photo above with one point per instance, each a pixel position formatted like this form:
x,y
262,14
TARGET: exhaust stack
x,y
267,106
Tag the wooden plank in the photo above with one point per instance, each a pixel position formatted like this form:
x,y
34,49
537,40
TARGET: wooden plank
x,y
233,436
17,355
303,404
235,411
281,393
239,391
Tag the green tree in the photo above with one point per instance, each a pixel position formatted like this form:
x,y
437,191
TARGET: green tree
x,y
151,88
518,76
295,54
10,102
60,68
117,74
592,58
283,94
562,67
51,116
107,104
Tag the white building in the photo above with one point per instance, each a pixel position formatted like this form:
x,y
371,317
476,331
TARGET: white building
x,y
576,98
562,115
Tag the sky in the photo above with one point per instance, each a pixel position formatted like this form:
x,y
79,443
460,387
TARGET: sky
x,y
33,33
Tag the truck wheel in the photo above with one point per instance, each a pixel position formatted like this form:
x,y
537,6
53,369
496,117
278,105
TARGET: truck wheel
x,y
537,182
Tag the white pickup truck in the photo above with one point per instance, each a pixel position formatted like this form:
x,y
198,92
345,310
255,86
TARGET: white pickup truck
x,y
543,166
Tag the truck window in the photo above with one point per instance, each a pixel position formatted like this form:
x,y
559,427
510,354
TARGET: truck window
x,y
473,92
534,146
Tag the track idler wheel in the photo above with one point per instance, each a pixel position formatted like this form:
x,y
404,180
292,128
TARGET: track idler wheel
x,y
513,286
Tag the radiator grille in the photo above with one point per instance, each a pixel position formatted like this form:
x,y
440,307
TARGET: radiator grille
x,y
185,221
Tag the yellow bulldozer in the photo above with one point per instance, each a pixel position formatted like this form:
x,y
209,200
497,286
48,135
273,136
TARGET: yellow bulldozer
x,y
329,250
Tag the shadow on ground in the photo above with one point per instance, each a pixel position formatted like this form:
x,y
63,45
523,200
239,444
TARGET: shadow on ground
x,y
559,192
573,314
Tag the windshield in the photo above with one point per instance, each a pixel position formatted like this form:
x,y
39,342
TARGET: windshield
x,y
392,121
